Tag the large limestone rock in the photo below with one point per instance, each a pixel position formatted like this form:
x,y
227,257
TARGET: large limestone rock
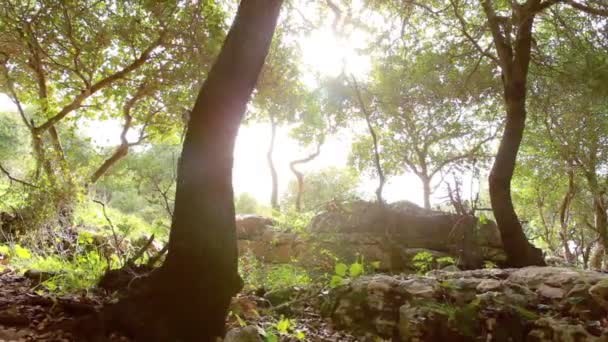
x,y
529,304
392,236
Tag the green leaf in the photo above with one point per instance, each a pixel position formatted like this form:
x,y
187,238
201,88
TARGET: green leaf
x,y
271,337
5,250
283,325
341,269
300,335
356,269
375,264
22,253
336,281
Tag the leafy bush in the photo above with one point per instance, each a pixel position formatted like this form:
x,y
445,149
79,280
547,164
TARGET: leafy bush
x,y
425,261
68,275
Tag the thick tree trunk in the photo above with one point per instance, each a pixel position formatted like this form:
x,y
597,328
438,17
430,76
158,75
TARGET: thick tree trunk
x,y
300,176
188,297
274,194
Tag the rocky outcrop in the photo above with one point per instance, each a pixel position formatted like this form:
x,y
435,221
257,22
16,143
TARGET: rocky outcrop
x,y
258,236
528,304
391,235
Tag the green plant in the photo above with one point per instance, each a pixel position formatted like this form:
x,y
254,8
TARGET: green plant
x,y
256,274
343,272
284,327
292,220
81,272
445,261
489,264
423,262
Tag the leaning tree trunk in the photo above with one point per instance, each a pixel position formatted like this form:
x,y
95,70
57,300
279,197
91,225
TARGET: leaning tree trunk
x,y
519,251
188,297
514,60
274,195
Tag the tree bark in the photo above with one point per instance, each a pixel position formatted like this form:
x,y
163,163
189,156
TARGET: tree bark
x,y
188,297
300,176
514,60
426,190
563,218
274,194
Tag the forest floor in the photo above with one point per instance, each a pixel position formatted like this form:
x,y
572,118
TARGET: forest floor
x,y
29,314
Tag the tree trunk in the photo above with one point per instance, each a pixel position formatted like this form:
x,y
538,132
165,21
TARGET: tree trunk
x,y
372,133
563,219
188,297
514,60
517,248
300,176
426,190
274,194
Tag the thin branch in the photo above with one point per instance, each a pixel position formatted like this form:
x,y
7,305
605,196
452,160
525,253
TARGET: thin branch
x,y
463,30
114,235
13,179
588,9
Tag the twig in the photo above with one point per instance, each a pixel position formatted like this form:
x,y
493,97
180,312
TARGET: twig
x,y
13,179
141,251
116,241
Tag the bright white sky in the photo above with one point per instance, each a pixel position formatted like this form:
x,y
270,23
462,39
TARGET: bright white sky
x,y
323,53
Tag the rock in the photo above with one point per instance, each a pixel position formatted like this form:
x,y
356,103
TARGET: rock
x,y
245,334
548,329
386,234
487,285
491,305
420,287
451,268
550,292
599,292
248,227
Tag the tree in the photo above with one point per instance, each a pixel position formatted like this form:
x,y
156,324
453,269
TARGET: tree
x,y
431,118
189,295
63,62
278,98
511,30
322,187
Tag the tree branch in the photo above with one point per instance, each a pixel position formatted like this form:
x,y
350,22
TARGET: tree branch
x,y
463,30
13,179
588,9
103,83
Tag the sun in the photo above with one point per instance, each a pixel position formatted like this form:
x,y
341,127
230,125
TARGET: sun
x,y
326,53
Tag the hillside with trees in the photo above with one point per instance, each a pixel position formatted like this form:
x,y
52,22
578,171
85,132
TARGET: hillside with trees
x,y
337,170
